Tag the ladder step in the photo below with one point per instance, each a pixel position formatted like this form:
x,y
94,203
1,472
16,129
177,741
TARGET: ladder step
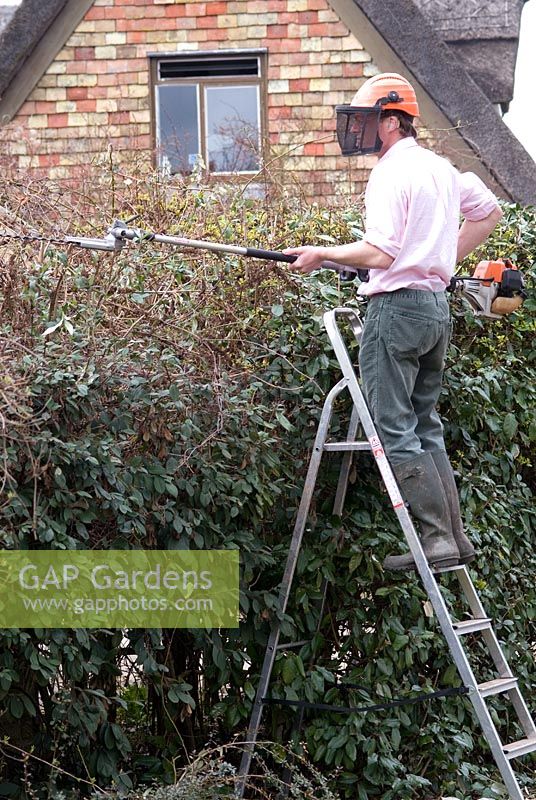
x,y
497,686
520,748
471,625
455,568
290,645
341,447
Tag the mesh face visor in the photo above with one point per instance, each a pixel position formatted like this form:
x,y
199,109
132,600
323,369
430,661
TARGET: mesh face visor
x,y
357,130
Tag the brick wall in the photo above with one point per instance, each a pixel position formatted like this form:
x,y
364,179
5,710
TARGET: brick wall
x,y
96,91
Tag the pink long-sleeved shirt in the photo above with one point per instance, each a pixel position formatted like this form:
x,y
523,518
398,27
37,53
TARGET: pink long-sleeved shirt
x,y
413,202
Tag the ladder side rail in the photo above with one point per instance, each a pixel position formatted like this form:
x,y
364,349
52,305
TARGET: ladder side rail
x,y
346,465
468,588
423,568
497,654
526,720
286,583
479,612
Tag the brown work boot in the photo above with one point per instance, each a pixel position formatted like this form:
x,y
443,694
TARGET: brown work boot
x,y
443,466
422,489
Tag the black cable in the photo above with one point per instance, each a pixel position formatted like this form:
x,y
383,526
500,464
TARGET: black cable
x,y
461,690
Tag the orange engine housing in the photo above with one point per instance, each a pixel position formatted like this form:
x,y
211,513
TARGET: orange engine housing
x,y
492,270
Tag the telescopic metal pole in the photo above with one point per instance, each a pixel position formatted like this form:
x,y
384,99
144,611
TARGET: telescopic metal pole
x,y
121,232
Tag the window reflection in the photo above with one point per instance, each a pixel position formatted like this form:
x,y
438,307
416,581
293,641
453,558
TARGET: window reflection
x,y
178,127
232,128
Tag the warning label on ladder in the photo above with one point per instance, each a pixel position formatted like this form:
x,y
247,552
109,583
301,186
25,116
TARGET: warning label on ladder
x,y
386,472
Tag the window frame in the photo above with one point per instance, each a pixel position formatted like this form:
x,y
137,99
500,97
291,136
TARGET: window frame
x,y
201,84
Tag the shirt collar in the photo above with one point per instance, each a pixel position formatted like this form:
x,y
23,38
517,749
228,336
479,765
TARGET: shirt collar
x,y
398,147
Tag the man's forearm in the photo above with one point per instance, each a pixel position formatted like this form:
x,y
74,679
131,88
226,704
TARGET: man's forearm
x,y
360,254
356,254
471,234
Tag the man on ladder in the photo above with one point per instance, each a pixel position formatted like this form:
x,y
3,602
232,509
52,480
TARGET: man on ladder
x,y
412,241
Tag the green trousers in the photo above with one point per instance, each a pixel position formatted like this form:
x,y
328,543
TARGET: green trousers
x,y
401,360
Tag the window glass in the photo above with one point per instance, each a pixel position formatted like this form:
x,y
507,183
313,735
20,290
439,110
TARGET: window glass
x,y
177,127
208,106
232,128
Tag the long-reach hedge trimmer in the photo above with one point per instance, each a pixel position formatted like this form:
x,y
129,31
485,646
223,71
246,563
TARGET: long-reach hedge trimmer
x,y
495,289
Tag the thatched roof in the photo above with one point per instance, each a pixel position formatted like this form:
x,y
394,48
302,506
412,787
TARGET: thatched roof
x,y
24,29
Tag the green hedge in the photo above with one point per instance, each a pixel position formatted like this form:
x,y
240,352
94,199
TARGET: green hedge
x,y
161,399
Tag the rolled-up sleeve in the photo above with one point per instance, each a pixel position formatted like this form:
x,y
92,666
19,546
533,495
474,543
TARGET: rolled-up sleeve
x,y
385,215
476,200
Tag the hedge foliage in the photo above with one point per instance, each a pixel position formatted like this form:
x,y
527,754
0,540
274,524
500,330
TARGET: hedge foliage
x,y
165,399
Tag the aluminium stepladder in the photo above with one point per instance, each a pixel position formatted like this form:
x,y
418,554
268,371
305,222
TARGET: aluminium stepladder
x,y
504,683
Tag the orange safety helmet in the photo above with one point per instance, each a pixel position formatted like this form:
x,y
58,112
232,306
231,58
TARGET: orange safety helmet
x,y
357,123
389,90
